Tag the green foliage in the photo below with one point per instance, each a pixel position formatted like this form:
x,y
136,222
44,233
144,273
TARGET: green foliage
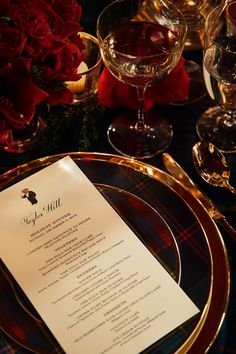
x,y
70,127
44,84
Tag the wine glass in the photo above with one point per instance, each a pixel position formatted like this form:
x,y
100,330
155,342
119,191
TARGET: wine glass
x,y
218,124
139,50
195,13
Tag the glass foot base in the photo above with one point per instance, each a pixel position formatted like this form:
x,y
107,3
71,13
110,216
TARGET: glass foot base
x,y
26,139
128,141
218,128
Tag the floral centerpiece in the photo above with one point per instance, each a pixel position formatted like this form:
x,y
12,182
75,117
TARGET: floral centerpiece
x,y
40,49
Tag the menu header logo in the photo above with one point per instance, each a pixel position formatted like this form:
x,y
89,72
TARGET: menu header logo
x,y
30,195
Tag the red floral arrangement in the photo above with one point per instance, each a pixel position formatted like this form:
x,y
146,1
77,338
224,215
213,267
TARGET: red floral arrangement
x,y
40,49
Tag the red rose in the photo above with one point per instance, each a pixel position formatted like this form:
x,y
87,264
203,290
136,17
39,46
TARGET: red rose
x,y
69,10
39,50
173,88
31,20
34,24
36,47
12,41
21,95
62,65
77,40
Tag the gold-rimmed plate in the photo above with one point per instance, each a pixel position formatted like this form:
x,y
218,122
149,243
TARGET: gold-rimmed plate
x,y
169,221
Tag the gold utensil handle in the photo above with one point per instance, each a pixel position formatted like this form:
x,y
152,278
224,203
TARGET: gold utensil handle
x,y
227,227
177,172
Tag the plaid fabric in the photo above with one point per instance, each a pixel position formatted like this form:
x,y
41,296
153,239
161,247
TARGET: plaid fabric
x,y
225,342
141,193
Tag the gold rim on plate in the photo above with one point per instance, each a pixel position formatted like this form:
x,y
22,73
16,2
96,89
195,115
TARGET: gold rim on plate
x,y
208,326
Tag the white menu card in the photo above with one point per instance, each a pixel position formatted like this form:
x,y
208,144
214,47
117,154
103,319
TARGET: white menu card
x,y
93,282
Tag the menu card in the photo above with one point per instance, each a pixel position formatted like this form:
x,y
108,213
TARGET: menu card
x,y
93,282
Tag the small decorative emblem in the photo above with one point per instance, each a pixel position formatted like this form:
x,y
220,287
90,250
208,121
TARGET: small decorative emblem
x,y
30,195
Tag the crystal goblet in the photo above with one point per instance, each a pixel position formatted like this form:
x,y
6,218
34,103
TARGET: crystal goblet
x,y
139,50
218,124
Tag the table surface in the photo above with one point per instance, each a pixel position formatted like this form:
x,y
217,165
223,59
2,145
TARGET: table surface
x,y
183,120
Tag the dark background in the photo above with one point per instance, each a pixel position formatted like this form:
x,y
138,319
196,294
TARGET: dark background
x,y
183,120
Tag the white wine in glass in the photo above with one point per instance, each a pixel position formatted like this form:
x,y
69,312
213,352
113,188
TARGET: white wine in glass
x,y
194,15
139,50
218,124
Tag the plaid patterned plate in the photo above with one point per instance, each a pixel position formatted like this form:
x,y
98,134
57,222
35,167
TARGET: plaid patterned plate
x,y
172,225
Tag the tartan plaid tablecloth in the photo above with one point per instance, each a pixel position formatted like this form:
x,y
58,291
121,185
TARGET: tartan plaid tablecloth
x,y
184,121
192,246
225,342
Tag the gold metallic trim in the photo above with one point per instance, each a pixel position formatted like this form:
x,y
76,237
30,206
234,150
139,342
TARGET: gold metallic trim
x,y
204,334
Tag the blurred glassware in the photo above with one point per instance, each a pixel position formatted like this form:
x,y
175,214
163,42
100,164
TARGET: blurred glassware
x,y
207,7
195,13
89,70
139,50
218,124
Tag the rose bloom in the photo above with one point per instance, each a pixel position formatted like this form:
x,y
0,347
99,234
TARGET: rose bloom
x,y
12,42
62,65
30,20
39,50
33,23
69,10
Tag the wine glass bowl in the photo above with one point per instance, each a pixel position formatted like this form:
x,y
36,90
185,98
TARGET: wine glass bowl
x,y
136,59
218,124
139,50
194,12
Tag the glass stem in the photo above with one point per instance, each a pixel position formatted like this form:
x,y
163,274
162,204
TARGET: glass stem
x,y
140,125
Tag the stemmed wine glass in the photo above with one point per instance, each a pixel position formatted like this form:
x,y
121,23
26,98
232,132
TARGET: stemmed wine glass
x,y
195,13
218,124
139,50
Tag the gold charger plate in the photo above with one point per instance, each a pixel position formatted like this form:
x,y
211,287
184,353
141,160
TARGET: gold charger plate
x,y
169,221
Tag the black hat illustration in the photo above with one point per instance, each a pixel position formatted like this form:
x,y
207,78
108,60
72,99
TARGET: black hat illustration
x,y
30,195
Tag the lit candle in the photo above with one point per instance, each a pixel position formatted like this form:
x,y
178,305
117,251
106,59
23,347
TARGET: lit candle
x,y
79,85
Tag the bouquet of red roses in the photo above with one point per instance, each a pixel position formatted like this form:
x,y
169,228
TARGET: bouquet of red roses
x,y
40,49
